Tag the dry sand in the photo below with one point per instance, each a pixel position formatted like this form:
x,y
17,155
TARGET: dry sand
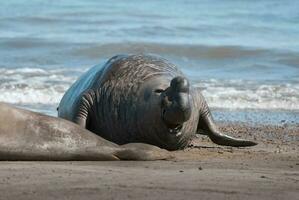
x,y
203,171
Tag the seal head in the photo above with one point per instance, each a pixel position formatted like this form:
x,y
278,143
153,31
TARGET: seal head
x,y
163,111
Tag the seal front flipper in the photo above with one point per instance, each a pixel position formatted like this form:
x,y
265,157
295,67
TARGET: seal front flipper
x,y
206,126
84,109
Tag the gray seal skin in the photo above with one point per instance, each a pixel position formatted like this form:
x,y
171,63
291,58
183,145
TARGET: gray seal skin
x,y
141,98
26,135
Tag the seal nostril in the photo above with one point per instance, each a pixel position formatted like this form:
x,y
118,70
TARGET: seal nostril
x,y
163,113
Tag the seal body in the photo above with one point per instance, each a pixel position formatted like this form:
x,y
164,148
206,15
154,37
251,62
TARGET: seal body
x,y
138,98
26,135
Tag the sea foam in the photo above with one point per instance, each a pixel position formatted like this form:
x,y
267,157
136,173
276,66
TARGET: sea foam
x,y
41,86
241,94
34,85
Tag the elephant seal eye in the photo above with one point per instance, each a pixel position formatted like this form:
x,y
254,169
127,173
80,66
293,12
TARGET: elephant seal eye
x,y
159,90
148,93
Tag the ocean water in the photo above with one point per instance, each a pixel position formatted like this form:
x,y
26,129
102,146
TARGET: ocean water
x,y
244,55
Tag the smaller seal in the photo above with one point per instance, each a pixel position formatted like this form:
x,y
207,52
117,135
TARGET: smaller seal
x,y
26,135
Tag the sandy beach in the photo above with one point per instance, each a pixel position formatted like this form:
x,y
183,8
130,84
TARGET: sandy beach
x,y
203,171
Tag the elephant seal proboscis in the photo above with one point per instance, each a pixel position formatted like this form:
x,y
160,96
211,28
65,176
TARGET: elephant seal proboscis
x,y
141,98
26,135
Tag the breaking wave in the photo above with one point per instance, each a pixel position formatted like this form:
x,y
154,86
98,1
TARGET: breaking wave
x,y
47,86
34,85
240,94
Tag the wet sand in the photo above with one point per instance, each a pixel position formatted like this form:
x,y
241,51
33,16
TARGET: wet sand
x,y
203,171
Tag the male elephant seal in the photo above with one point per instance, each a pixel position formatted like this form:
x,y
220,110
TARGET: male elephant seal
x,y
26,135
141,98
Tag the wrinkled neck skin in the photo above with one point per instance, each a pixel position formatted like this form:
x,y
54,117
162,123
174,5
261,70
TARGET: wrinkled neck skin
x,y
164,108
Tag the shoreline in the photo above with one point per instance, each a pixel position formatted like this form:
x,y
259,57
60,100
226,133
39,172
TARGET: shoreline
x,y
269,170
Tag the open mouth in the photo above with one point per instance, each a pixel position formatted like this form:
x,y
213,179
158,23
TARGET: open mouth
x,y
174,129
